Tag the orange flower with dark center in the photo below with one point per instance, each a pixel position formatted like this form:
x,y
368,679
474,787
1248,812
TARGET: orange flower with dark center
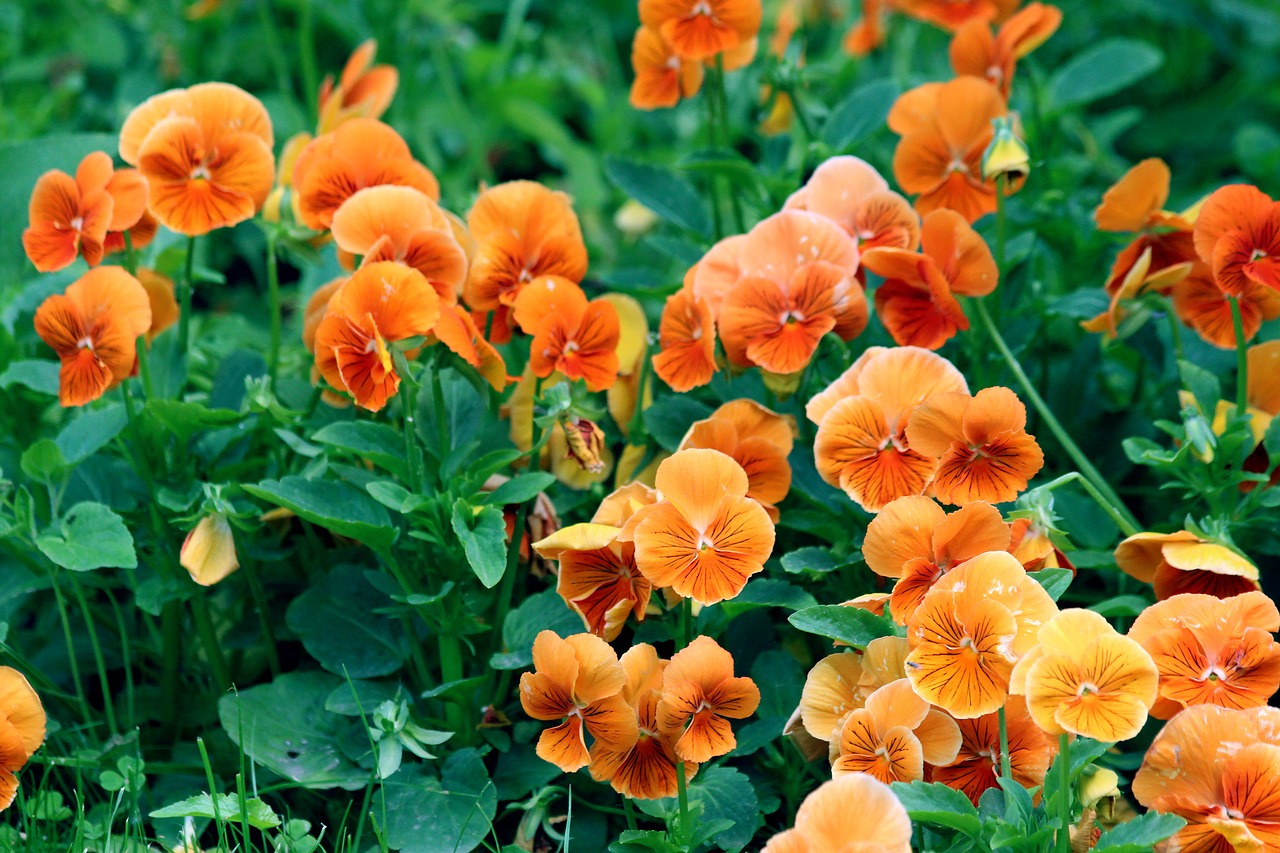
x,y
756,438
1201,304
360,153
699,696
700,29
917,302
861,444
976,768
22,729
895,735
457,331
1216,768
74,216
578,680
1238,234
687,339
662,77
572,336
1084,678
835,818
840,684
522,231
206,154
913,540
945,128
1211,651
978,52
981,443
598,577
705,538
393,223
364,90
380,304
977,621
94,327
851,192
644,768
1183,562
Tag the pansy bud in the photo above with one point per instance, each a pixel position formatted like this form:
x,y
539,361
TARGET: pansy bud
x,y
585,442
1007,154
209,552
634,219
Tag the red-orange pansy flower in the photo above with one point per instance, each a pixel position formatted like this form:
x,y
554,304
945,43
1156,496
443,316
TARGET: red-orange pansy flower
x,y
22,729
577,338
894,735
1238,234
976,51
977,765
457,331
1201,304
662,77
364,90
1183,562
598,577
699,696
687,339
952,14
700,29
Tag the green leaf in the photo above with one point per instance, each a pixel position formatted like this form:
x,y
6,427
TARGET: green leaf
x,y
483,535
1102,70
640,840
1140,834
766,592
379,443
1271,439
258,813
90,432
284,727
334,506
810,559
936,804
670,417
1121,605
544,611
666,194
336,621
1203,385
716,794
38,375
1054,581
860,114
90,536
521,488
44,463
452,814
851,625
186,419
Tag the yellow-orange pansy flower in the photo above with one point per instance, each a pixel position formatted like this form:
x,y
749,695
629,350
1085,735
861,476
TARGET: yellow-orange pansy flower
x,y
756,438
894,735
598,577
22,729
1183,562
834,819
840,683
699,696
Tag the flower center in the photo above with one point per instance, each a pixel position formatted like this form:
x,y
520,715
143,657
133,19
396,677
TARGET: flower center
x,y
1256,255
571,347
957,165
1088,689
77,223
200,172
703,7
85,343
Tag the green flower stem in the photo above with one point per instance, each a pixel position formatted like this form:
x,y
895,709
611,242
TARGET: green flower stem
x,y
209,641
451,671
99,662
307,57
213,793
271,35
437,399
1006,765
144,365
185,289
1175,331
130,255
682,793
273,293
630,811
260,603
409,412
71,648
1086,468
1001,185
686,622
713,182
1242,359
722,112
1064,761
506,588
1074,476
171,664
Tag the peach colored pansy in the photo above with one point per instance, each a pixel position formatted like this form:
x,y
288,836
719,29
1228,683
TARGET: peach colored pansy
x,y
840,683
1183,562
598,577
945,128
1238,234
380,304
700,29
976,768
22,729
705,538
917,302
712,277
894,735
981,443
861,444
364,90
662,77
579,681
914,540
687,340
577,338
94,327
646,767
1216,768
700,694
833,819
757,438
205,153
1211,651
850,191
977,621
976,51
1086,679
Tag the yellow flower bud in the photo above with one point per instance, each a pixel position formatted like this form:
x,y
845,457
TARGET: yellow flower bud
x,y
1007,154
634,219
209,552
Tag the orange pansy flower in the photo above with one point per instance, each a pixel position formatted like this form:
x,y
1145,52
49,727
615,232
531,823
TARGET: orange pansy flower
x,y
206,154
895,735
851,191
917,302
164,307
840,683
705,538
699,696
756,438
364,90
861,444
22,722
952,14
700,29
598,577
1216,768
94,327
578,680
577,338
457,331
978,52
1030,543
945,129
835,818
971,628
662,77
362,152
380,304
868,33
976,768
522,231
1238,234
1211,651
914,540
1201,305
981,443
1086,679
393,223
717,272
645,767
1180,562
687,339
73,216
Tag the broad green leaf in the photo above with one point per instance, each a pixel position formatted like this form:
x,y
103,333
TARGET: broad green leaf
x,y
810,559
38,375
44,463
1102,70
719,794
1203,385
851,625
670,417
641,840
90,432
335,506
542,611
336,621
1140,834
663,192
483,535
379,443
767,592
1121,605
1054,581
258,813
860,114
185,419
451,814
521,488
90,536
936,804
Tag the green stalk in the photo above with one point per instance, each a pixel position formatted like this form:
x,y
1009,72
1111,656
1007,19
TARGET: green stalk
x,y
686,622
307,54
722,112
1175,331
98,660
144,365
506,587
260,603
273,293
1001,181
442,426
1086,468
683,795
213,793
1064,760
630,810
1242,359
451,671
71,647
1006,765
272,37
713,182
171,663
408,412
1074,476
209,641
185,289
